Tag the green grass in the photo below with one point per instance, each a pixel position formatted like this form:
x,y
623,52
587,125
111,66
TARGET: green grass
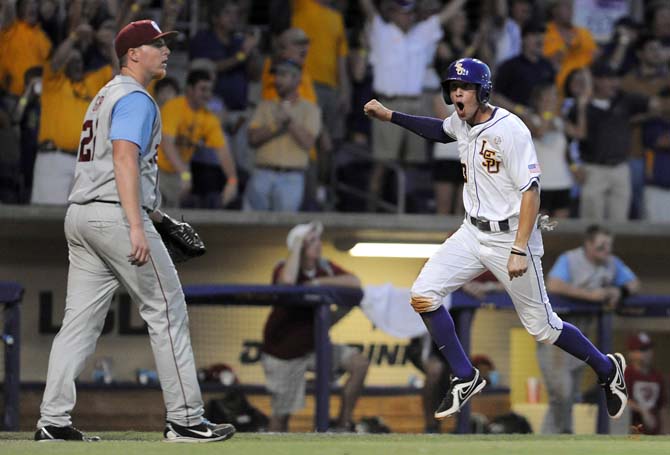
x,y
341,444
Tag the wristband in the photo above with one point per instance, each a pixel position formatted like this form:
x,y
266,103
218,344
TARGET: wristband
x,y
518,251
241,56
185,176
232,179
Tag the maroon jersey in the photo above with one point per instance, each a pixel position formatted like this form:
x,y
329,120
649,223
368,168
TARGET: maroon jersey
x,y
648,391
289,330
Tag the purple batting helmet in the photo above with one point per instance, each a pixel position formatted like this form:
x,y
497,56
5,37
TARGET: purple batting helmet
x,y
469,70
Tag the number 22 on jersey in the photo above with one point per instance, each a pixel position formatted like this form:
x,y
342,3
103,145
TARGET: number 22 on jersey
x,y
86,148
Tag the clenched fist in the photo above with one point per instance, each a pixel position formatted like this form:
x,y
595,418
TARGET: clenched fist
x,y
375,109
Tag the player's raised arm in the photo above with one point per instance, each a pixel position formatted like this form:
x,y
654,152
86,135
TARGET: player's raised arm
x,y
427,127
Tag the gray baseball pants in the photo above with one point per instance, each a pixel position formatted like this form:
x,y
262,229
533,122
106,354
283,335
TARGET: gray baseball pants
x,y
98,243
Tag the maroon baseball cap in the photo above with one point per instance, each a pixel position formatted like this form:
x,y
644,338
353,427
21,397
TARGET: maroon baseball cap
x,y
639,342
138,33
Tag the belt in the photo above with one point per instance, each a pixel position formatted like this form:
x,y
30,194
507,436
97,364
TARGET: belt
x,y
279,168
115,203
489,226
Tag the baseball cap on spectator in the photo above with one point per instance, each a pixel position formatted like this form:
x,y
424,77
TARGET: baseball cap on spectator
x,y
137,34
299,232
639,342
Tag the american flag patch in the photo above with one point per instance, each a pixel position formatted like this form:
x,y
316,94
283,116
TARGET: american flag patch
x,y
534,168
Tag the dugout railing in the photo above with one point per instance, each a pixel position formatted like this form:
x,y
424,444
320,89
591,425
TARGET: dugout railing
x,y
323,297
10,340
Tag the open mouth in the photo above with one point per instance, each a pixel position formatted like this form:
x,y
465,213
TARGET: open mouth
x,y
460,106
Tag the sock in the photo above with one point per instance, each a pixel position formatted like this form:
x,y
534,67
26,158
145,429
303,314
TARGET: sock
x,y
573,341
440,325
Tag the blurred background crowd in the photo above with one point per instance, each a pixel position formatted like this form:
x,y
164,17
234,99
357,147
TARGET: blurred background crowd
x,y
262,106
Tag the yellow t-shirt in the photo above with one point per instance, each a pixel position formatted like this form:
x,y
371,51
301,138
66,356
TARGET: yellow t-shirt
x,y
190,129
578,54
325,28
21,47
269,92
64,104
282,151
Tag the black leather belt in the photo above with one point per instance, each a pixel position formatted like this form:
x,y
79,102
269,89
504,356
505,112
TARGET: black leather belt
x,y
485,226
279,168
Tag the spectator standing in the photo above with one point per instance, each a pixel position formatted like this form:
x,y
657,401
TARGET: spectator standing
x,y
566,45
517,77
288,336
551,146
590,273
650,153
234,49
187,125
514,16
648,395
282,131
398,73
23,45
292,44
606,148
66,93
326,62
659,13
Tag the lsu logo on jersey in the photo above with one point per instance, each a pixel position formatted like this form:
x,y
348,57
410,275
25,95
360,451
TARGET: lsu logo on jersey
x,y
460,70
491,160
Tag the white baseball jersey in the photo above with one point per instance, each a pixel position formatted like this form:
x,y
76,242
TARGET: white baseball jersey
x,y
94,173
499,163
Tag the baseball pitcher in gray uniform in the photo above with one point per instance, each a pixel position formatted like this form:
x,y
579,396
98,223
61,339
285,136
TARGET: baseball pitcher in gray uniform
x,y
112,241
499,233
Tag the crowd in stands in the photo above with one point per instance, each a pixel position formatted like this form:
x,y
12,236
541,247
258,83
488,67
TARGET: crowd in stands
x,y
263,99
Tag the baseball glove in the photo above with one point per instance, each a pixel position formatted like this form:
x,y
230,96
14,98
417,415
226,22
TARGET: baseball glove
x,y
180,239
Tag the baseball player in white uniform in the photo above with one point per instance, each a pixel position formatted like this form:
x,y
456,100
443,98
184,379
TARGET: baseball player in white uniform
x,y
112,241
499,233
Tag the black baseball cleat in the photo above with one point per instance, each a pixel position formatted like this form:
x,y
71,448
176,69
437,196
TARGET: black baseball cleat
x,y
205,432
615,389
460,391
52,433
